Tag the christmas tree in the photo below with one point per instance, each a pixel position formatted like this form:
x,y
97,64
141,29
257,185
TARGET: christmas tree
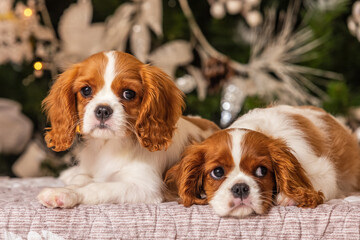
x,y
227,56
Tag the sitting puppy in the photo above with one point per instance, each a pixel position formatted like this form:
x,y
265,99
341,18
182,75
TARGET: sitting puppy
x,y
129,115
285,155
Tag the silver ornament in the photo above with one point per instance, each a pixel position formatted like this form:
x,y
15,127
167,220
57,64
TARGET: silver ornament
x,y
232,101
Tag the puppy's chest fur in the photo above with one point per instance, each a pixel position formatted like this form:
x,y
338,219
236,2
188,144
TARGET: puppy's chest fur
x,y
112,159
105,160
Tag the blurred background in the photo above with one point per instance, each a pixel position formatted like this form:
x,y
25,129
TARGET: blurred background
x,y
227,56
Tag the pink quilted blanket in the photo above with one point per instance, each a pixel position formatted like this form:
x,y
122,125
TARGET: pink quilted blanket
x,y
22,217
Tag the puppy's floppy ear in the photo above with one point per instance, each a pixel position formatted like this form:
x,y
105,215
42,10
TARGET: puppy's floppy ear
x,y
60,107
186,177
160,110
291,178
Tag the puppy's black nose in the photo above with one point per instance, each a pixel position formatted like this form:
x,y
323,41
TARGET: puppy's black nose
x,y
103,112
240,190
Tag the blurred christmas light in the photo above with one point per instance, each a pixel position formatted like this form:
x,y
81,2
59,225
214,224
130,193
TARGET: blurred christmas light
x,y
28,12
38,65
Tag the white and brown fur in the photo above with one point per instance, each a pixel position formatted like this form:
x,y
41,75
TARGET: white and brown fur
x,y
310,157
124,159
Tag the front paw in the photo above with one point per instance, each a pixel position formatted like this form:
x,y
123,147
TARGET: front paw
x,y
58,198
283,200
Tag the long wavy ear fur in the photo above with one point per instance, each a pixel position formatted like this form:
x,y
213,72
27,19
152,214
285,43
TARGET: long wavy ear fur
x,y
291,178
186,177
161,108
60,107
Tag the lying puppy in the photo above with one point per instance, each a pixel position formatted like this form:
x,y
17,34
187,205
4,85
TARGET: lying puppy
x,y
280,155
129,115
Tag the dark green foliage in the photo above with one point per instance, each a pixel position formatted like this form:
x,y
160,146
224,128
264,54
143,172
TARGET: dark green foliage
x,y
339,51
30,96
339,98
209,108
251,103
175,26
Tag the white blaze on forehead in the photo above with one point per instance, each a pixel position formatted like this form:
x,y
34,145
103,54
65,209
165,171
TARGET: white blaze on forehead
x,y
236,150
106,95
110,73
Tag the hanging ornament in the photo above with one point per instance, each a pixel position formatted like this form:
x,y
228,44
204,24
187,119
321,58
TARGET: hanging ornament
x,y
232,100
216,72
253,18
234,6
247,8
217,10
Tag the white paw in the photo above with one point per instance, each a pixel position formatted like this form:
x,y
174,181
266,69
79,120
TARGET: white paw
x,y
284,200
58,197
155,200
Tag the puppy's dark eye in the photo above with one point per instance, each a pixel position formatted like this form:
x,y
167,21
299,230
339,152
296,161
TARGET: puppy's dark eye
x,y
86,91
217,173
261,171
128,94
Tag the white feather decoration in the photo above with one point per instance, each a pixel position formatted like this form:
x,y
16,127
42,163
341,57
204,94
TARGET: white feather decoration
x,y
140,41
151,12
172,55
79,37
118,27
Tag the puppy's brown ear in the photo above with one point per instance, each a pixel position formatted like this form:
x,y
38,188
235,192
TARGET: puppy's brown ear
x,y
186,177
290,177
60,108
160,110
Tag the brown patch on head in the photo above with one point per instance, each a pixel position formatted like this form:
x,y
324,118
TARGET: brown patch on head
x,y
90,73
158,104
311,133
127,78
218,154
131,107
191,175
283,170
65,106
202,123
